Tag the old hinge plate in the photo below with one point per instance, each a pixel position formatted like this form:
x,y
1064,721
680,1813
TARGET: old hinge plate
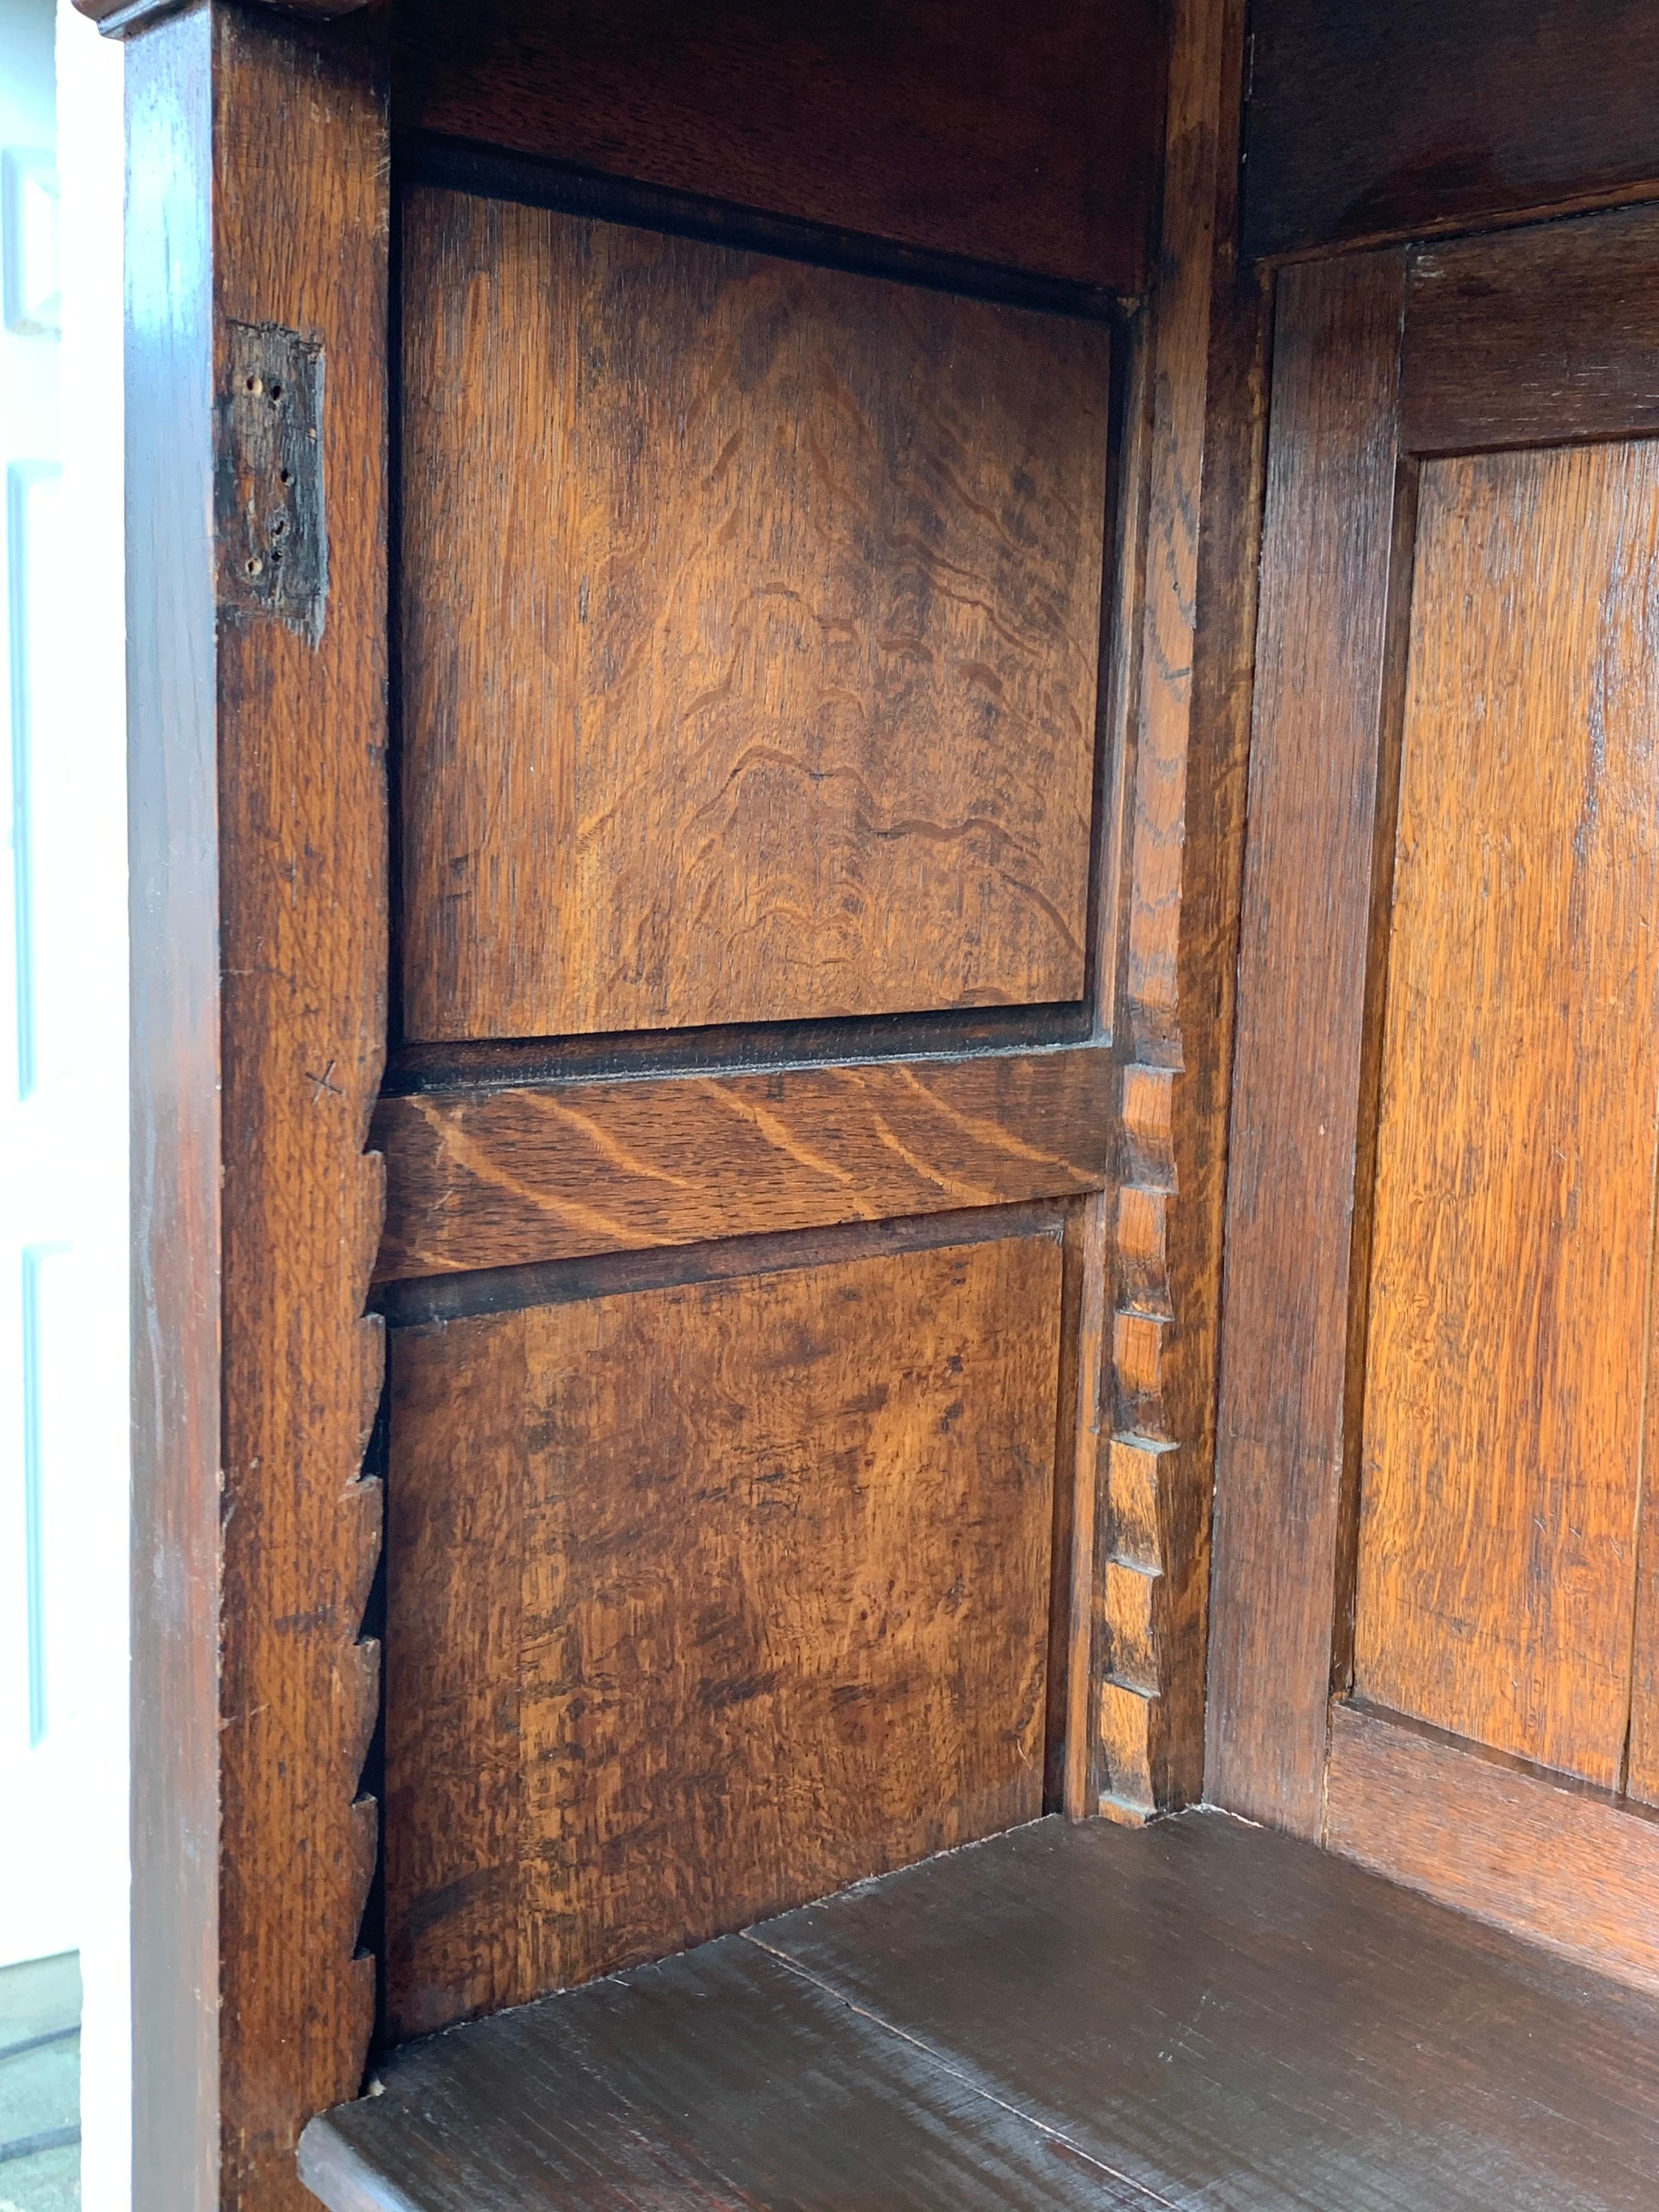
x,y
271,527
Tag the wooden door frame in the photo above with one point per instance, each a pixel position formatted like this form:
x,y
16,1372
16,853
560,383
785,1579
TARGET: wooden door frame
x,y
258,900
258,845
1384,359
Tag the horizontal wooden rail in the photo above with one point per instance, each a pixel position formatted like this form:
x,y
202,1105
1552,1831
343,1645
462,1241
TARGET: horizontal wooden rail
x,y
552,1171
1552,1861
117,17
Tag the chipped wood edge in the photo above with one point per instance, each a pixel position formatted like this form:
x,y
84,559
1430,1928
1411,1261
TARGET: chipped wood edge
x,y
119,18
1152,1574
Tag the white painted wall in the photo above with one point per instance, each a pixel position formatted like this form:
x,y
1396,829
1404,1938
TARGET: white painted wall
x,y
64,1419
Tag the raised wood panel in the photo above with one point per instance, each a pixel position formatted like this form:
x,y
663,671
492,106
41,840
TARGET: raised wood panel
x,y
1560,1865
705,1599
1328,565
1386,118
1513,1232
501,1178
751,624
1534,336
939,124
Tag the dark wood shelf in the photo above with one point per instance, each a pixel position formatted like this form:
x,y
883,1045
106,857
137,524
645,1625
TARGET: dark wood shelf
x,y
1196,2014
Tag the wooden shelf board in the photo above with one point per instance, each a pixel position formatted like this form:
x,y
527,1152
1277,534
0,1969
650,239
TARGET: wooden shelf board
x,y
1196,2014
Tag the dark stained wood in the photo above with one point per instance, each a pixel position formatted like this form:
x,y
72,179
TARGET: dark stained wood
x,y
1321,663
706,1598
1563,1866
682,2085
501,1178
1179,820
1228,2016
1534,336
782,704
1388,118
1511,1293
173,847
920,121
121,18
303,928
1210,2015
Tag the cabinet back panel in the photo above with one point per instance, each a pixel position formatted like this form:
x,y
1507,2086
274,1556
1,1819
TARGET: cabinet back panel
x,y
705,1600
751,633
1510,1292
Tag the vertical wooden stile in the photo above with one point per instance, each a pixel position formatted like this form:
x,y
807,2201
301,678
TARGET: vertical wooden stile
x,y
257,241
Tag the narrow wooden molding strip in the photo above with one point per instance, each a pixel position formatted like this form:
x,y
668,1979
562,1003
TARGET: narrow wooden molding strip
x,y
554,1172
1302,966
1183,827
1560,1865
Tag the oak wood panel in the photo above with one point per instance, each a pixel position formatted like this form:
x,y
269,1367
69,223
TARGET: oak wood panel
x,y
936,124
302,826
1511,1283
1534,336
1564,1867
503,1178
176,1156
1388,118
706,1598
1321,657
752,625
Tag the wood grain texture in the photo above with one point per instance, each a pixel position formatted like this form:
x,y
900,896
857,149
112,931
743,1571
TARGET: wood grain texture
x,y
1318,2038
752,625
1228,2017
1390,117
1172,953
923,122
176,1158
302,816
504,1178
1328,539
1511,1290
1533,337
688,2084
1564,1868
706,1598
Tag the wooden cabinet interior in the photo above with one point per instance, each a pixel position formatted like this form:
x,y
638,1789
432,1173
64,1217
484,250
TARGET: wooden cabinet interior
x,y
837,524
1443,1194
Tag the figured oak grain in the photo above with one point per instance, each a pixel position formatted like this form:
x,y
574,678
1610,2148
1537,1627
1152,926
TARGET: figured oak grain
x,y
532,1173
750,633
1510,1290
706,1598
